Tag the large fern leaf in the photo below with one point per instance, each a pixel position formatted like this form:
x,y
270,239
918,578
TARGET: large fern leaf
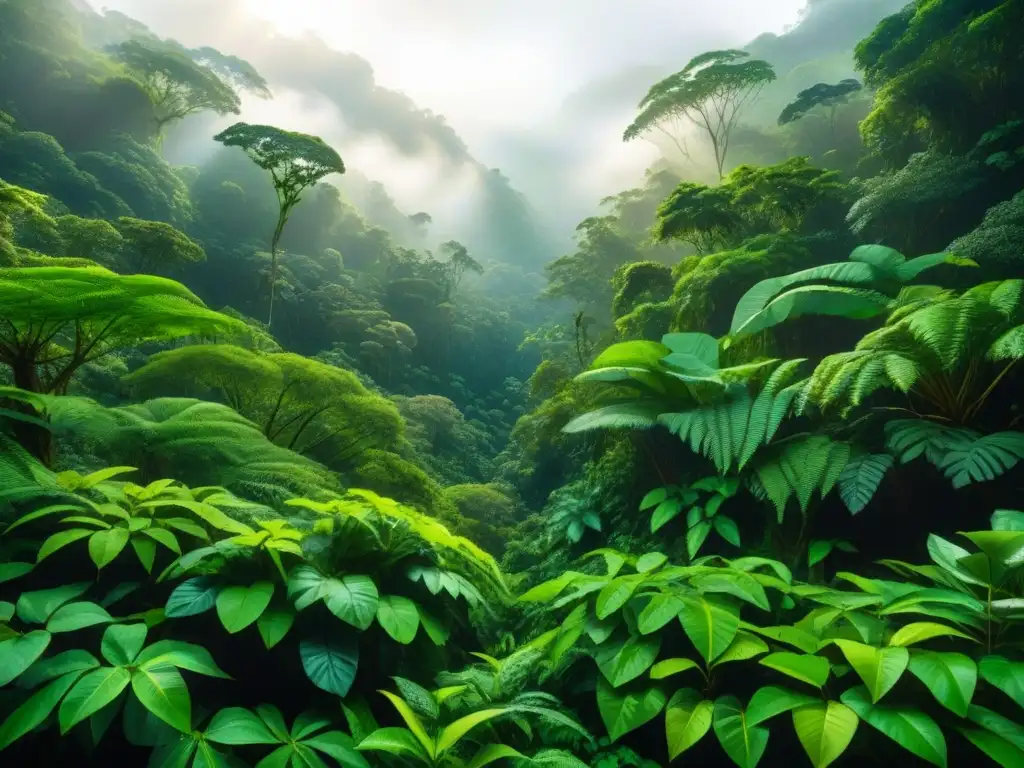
x,y
632,415
984,459
861,478
801,467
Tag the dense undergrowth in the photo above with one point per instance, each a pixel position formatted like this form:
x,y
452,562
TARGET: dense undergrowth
x,y
286,481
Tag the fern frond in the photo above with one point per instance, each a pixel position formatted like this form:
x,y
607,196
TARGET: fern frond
x,y
630,415
984,459
860,480
800,467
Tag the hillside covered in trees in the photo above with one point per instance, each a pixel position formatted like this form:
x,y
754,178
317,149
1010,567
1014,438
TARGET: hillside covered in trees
x,y
290,477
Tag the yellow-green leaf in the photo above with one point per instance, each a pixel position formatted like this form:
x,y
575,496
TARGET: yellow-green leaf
x,y
825,730
920,631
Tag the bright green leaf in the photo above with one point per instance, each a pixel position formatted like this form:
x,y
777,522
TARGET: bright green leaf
x,y
825,730
813,670
687,720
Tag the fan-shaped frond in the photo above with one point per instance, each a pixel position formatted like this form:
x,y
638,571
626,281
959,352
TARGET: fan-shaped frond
x,y
861,479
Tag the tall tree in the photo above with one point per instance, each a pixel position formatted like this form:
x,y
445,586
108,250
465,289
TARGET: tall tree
x,y
459,262
820,95
177,84
709,94
295,161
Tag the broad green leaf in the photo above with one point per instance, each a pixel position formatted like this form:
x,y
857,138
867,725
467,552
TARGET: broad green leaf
x,y
34,711
793,636
308,723
669,667
710,626
879,668
352,599
615,594
413,723
60,540
653,498
63,663
549,590
492,753
997,724
14,570
911,728
6,611
695,537
238,607
626,710
453,733
19,653
744,646
274,720
771,700
743,743
36,607
725,526
237,726
813,670
194,596
818,551
741,585
145,550
419,698
274,623
399,617
825,730
998,749
951,677
436,631
122,643
620,664
91,693
330,662
279,758
659,611
188,656
924,630
1006,675
395,741
339,746
947,555
104,546
162,691
164,537
650,561
73,616
687,720
667,511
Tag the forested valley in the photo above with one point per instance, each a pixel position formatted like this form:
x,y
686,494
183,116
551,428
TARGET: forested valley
x,y
289,481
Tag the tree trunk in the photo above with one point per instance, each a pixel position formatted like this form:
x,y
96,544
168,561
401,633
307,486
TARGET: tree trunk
x,y
35,439
281,219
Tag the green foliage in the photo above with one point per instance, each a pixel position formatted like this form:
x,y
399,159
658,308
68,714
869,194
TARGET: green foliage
x,y
59,318
710,93
152,246
300,404
295,161
819,95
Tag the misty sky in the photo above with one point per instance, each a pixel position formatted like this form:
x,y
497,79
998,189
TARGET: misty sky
x,y
499,71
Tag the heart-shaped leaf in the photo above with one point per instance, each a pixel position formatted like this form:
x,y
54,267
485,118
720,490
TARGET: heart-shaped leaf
x,y
687,720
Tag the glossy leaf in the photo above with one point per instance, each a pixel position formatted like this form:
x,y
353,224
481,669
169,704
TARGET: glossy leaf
x,y
659,611
74,616
924,630
744,646
614,595
909,727
238,726
813,670
726,527
36,607
274,623
879,668
90,694
34,710
60,540
825,730
743,743
626,710
669,667
330,662
192,597
352,599
105,546
621,664
63,663
687,720
996,748
399,617
122,643
19,653
771,700
951,677
238,607
710,626
183,655
1006,675
162,691
696,536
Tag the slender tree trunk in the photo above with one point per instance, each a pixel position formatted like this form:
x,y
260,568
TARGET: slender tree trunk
x,y
281,219
35,439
